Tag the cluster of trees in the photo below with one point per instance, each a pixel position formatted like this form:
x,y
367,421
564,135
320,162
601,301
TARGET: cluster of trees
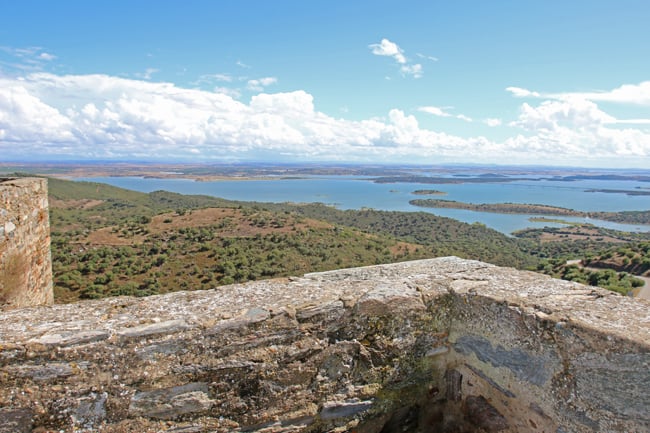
x,y
621,282
189,258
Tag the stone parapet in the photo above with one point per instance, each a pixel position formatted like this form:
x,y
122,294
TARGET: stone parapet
x,y
446,345
25,260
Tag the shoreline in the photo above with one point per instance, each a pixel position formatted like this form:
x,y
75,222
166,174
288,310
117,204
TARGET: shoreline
x,y
535,209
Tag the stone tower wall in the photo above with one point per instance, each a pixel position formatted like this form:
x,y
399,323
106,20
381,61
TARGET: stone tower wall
x,y
25,259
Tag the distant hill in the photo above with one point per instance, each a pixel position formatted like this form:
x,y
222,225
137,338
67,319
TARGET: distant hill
x,y
443,236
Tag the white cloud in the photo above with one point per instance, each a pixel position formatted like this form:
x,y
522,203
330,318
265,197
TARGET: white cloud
x,y
26,59
233,93
518,92
260,83
632,121
424,56
147,74
492,122
210,78
414,70
390,49
46,56
552,115
437,111
576,126
242,64
49,116
636,94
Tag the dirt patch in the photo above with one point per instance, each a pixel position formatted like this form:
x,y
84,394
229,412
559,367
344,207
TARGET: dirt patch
x,y
109,236
577,233
74,204
196,218
230,222
404,248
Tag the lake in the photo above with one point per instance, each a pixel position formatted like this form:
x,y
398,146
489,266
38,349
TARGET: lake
x,y
357,192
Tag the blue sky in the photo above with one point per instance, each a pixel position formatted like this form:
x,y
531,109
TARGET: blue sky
x,y
529,82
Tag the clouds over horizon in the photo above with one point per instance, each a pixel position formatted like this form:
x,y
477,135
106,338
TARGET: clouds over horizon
x,y
637,94
105,117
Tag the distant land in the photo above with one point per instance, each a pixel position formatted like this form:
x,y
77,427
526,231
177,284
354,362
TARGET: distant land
x,y
440,174
638,191
429,192
630,217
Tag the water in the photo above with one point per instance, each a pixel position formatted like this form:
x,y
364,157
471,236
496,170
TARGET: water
x,y
356,192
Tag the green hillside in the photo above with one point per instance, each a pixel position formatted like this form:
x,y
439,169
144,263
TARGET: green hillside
x,y
108,241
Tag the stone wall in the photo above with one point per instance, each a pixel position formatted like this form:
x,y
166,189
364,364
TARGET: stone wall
x,y
25,263
445,345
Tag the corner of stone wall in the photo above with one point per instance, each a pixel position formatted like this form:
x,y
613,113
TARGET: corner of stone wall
x,y
25,257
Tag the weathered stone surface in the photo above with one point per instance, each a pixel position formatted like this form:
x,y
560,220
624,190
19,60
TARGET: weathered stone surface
x,y
615,381
25,259
434,345
72,338
484,415
15,420
42,372
170,403
91,411
166,327
344,409
527,367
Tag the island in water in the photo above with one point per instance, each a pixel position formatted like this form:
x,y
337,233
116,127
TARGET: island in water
x,y
428,192
630,217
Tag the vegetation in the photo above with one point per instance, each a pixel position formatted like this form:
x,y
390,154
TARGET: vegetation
x,y
442,236
621,282
517,208
108,241
117,242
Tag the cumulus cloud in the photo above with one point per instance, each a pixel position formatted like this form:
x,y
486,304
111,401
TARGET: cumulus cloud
x,y
578,127
388,48
50,116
